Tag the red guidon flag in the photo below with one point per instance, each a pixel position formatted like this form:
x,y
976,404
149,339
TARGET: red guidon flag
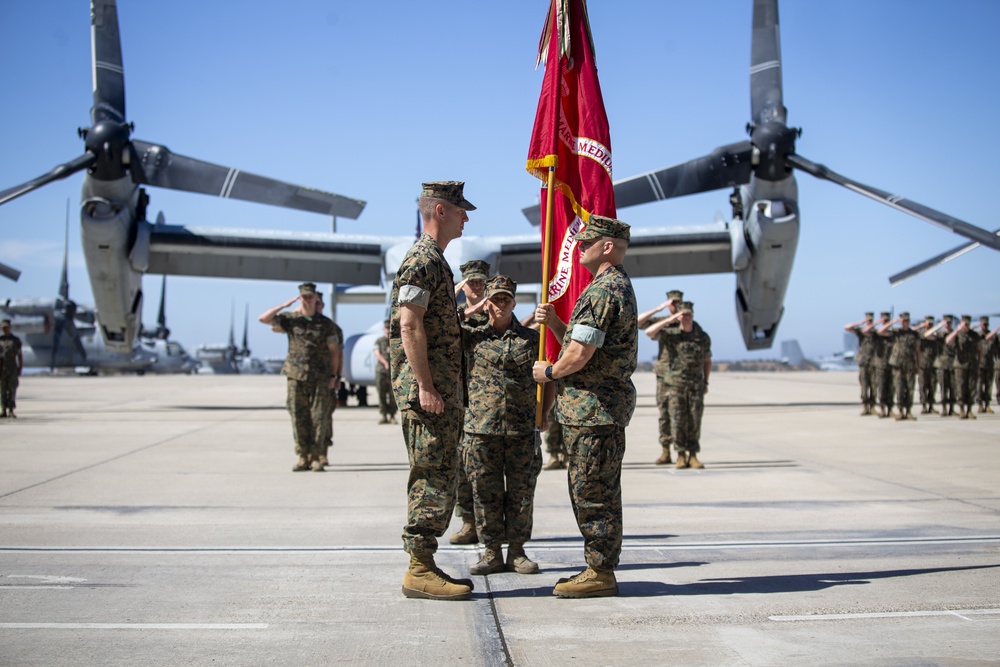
x,y
571,132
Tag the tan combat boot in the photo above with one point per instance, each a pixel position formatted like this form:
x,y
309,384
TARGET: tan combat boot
x,y
518,561
301,464
316,465
664,457
694,462
554,463
424,580
466,534
910,415
968,412
490,563
682,461
987,409
590,583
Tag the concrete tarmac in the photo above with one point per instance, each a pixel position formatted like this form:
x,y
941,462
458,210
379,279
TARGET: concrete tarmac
x,y
156,521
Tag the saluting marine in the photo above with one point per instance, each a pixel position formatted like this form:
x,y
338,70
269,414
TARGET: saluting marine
x,y
864,330
904,358
11,363
926,372
943,363
646,319
965,342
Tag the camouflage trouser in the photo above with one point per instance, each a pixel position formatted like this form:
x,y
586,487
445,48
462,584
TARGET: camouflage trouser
x,y
432,447
687,403
965,385
903,379
663,404
307,405
386,401
328,420
463,491
595,489
866,377
503,510
554,437
928,385
883,378
986,384
997,384
945,378
8,391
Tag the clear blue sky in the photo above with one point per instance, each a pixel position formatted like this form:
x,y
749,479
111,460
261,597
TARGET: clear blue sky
x,y
366,102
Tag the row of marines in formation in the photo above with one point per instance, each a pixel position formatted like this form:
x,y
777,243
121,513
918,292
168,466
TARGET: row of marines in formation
x,y
960,360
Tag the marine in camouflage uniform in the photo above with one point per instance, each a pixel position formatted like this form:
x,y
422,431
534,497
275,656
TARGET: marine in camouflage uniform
x,y
474,275
989,345
596,399
11,363
965,342
646,319
337,366
865,357
500,448
904,357
383,378
425,354
883,372
686,377
926,373
943,363
308,367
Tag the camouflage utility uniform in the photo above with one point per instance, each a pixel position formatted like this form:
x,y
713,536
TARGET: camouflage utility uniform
x,y
685,380
987,365
498,442
463,488
383,382
425,278
945,372
883,373
594,405
903,360
966,366
10,349
307,367
929,348
331,405
866,368
659,368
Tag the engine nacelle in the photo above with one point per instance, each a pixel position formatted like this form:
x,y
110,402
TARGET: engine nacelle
x,y
359,357
771,232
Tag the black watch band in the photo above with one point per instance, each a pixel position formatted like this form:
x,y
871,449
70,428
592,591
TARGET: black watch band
x,y
548,372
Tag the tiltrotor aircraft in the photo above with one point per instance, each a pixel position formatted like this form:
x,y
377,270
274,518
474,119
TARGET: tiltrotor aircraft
x,y
120,244
759,243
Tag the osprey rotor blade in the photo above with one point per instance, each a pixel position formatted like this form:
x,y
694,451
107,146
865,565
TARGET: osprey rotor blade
x,y
766,102
62,171
9,272
898,202
109,76
153,164
903,276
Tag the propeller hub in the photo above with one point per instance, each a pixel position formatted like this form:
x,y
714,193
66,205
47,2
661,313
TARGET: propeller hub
x,y
109,141
772,142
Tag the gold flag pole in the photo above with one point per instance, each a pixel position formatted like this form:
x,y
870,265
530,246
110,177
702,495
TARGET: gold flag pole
x,y
546,252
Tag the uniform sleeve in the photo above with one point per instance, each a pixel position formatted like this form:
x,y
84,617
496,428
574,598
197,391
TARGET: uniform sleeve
x,y
336,336
416,282
281,321
708,346
591,321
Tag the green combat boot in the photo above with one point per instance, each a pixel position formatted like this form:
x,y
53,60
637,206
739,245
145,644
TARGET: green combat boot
x,y
590,583
425,581
490,563
466,534
518,561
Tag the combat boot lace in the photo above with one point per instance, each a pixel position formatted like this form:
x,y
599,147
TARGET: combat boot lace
x,y
425,581
465,535
490,563
518,561
590,583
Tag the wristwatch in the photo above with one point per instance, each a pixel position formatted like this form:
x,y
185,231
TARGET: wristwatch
x,y
548,372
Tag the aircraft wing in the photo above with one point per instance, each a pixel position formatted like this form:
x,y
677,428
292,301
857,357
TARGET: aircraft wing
x,y
267,255
653,251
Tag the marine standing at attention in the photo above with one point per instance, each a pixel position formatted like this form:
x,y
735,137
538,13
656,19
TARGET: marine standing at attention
x,y
473,283
500,449
646,319
943,363
965,343
383,378
865,358
883,372
11,363
309,367
337,368
595,399
988,344
425,353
